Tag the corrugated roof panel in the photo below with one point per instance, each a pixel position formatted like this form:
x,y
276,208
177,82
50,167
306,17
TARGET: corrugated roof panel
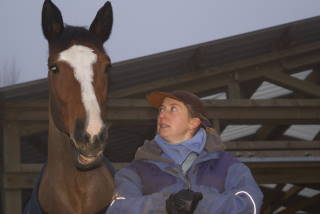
x,y
238,131
304,132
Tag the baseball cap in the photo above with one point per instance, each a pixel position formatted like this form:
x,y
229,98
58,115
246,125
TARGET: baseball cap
x,y
189,99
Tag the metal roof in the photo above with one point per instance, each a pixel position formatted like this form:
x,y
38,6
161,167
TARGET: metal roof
x,y
213,53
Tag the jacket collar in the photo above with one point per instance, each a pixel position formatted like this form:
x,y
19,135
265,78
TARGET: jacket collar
x,y
151,151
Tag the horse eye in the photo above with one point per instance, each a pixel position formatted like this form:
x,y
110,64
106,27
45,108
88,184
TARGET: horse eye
x,y
54,69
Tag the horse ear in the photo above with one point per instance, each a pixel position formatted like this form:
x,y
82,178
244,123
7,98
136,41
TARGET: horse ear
x,y
52,23
102,23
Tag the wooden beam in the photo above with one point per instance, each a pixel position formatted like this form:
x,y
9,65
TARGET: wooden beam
x,y
19,180
277,153
264,172
36,87
301,61
248,146
29,128
286,81
272,145
282,111
311,186
285,172
287,112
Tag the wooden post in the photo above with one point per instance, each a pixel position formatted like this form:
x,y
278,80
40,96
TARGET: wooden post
x,y
12,201
216,126
234,91
11,150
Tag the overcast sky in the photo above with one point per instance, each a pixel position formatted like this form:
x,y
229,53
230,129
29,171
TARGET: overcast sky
x,y
141,27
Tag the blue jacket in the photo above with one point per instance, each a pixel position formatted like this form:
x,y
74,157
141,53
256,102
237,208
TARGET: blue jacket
x,y
227,185
33,205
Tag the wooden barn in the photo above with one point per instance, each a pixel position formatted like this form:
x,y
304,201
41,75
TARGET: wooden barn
x,y
261,90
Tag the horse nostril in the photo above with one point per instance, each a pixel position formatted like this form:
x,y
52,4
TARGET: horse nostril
x,y
103,135
86,137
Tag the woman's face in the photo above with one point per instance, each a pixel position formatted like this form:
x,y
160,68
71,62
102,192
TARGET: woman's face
x,y
175,123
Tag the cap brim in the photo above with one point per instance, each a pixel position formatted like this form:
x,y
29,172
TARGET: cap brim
x,y
156,98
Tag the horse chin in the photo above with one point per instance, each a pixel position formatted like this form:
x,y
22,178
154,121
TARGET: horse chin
x,y
85,163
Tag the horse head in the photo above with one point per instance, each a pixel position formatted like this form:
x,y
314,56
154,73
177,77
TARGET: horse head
x,y
77,75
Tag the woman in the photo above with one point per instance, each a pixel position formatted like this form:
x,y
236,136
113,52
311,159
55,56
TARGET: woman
x,y
184,168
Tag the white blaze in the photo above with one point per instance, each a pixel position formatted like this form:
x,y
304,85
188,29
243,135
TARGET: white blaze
x,y
81,59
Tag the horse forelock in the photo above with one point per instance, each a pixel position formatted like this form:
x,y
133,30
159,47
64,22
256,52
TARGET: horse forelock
x,y
81,60
76,35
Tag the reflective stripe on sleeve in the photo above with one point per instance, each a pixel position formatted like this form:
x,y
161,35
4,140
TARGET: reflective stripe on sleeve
x,y
254,204
117,198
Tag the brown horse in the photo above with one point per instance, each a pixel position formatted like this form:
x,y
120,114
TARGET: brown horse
x,y
74,179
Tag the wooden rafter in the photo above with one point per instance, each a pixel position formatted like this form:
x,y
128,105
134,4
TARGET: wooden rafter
x,y
284,198
300,205
314,76
286,81
250,87
317,137
270,132
293,191
271,199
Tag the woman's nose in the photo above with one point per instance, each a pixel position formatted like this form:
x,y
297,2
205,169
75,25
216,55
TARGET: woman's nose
x,y
161,114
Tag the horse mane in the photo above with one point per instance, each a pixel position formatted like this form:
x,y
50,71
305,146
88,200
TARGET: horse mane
x,y
76,35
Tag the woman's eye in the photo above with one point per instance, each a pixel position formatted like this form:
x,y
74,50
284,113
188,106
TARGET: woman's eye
x,y
161,109
173,109
54,69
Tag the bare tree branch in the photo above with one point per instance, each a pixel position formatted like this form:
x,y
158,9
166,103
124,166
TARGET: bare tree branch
x,y
9,74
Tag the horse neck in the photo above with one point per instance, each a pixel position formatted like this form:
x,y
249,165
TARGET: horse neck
x,y
63,188
60,151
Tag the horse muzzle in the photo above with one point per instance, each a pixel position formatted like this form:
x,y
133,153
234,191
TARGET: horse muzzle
x,y
89,149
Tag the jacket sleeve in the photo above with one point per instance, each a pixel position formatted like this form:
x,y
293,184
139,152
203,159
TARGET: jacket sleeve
x,y
241,196
128,197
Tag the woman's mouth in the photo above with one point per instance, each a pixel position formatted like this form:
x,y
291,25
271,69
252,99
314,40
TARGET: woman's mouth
x,y
163,126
